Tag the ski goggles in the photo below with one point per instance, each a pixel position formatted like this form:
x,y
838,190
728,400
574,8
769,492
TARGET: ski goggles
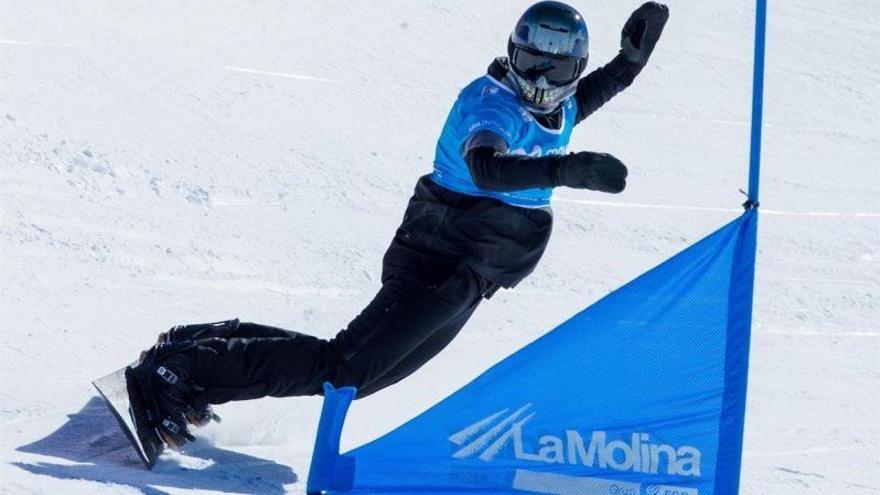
x,y
557,70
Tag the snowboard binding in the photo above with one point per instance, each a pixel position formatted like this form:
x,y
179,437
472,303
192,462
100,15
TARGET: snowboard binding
x,y
160,394
191,333
152,398
197,416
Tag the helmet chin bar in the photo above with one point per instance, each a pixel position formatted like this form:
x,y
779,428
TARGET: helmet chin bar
x,y
541,98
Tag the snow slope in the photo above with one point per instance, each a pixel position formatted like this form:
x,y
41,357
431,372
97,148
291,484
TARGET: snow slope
x,y
169,162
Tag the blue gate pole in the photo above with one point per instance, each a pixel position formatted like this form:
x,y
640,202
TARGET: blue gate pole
x,y
757,100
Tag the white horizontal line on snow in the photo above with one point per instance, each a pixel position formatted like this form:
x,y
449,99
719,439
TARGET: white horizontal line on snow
x,y
33,43
838,214
824,334
810,451
855,214
863,283
286,75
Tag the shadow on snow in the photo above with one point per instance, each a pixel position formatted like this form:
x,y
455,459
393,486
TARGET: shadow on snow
x,y
91,438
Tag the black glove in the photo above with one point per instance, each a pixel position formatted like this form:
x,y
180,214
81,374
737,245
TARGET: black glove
x,y
588,170
642,30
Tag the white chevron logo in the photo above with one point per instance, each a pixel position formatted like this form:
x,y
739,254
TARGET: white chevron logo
x,y
628,452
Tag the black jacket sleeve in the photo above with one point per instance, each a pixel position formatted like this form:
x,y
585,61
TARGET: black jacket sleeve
x,y
604,83
493,170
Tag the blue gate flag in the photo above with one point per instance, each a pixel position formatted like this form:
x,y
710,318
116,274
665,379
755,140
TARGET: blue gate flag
x,y
642,393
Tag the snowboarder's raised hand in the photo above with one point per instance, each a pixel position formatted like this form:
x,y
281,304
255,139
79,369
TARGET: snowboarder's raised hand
x,y
637,41
589,170
642,30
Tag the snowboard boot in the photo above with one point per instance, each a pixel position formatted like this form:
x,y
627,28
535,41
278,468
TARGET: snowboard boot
x,y
180,334
161,389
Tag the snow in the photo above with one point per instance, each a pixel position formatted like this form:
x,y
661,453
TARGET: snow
x,y
210,160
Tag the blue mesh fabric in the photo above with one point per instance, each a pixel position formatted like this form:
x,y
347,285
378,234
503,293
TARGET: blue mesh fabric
x,y
642,393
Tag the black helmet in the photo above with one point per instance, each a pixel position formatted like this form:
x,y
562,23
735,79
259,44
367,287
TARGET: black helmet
x,y
548,52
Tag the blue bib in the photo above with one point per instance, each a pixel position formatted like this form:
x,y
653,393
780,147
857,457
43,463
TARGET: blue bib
x,y
488,105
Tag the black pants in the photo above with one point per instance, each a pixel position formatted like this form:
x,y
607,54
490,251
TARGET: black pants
x,y
416,314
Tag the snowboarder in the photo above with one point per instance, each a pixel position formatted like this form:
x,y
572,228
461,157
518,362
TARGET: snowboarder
x,y
478,223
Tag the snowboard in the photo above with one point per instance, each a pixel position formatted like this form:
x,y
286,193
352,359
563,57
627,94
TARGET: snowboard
x,y
123,398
